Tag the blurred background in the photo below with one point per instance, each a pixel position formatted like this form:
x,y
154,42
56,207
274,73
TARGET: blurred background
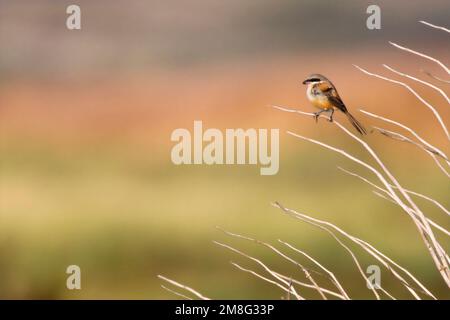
x,y
86,118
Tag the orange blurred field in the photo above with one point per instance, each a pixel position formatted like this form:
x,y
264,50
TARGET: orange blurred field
x,y
143,108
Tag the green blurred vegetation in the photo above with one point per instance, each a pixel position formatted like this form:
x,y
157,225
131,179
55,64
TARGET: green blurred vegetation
x,y
125,218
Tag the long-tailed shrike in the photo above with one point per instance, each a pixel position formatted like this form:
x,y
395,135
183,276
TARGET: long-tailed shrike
x,y
323,95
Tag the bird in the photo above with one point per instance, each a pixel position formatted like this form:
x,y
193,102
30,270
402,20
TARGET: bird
x,y
323,95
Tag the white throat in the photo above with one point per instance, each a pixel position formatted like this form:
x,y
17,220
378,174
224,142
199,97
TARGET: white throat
x,y
310,92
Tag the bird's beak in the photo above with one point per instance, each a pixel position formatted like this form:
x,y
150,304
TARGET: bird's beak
x,y
305,82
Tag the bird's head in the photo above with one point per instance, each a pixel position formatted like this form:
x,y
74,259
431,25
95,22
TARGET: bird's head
x,y
315,78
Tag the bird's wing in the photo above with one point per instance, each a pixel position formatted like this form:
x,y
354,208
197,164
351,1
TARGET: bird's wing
x,y
330,91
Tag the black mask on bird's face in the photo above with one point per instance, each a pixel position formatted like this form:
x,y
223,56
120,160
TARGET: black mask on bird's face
x,y
314,78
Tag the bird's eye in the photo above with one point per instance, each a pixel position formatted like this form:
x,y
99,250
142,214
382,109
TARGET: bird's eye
x,y
314,80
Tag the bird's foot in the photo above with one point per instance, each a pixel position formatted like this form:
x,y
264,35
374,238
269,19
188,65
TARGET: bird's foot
x,y
316,116
331,116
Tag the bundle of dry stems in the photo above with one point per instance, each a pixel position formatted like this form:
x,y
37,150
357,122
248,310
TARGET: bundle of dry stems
x,y
387,187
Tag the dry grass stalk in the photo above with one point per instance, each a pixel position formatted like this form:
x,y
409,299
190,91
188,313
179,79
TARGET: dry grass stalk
x,y
419,219
400,137
289,288
290,279
440,206
434,26
420,81
426,103
324,290
443,66
434,77
306,272
434,151
383,259
385,194
333,278
353,256
176,293
415,134
431,222
179,285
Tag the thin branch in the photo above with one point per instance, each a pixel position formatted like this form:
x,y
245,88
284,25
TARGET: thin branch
x,y
333,278
423,141
431,222
268,270
440,206
424,228
400,137
307,274
321,224
438,163
385,261
433,110
298,112
262,277
340,151
434,26
436,203
435,250
421,55
434,77
420,81
353,256
429,151
385,194
330,292
179,285
176,293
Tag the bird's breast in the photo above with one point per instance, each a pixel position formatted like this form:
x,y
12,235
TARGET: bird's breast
x,y
318,99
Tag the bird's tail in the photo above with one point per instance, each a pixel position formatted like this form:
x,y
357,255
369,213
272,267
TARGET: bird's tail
x,y
358,126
